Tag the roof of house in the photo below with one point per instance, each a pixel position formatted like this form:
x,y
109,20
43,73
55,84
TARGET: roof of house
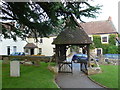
x,y
72,36
30,45
99,27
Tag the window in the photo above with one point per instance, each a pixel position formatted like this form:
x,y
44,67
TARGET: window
x,y
41,40
91,37
99,51
40,51
26,50
53,49
104,39
8,50
14,49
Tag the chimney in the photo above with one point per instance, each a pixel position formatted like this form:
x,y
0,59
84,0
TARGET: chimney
x,y
110,18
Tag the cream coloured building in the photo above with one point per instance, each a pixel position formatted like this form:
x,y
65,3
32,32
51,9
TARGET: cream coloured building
x,y
44,47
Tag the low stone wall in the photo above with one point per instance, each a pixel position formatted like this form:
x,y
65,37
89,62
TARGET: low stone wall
x,y
94,70
35,59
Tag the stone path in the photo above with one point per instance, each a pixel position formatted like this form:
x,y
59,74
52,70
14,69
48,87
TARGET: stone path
x,y
77,79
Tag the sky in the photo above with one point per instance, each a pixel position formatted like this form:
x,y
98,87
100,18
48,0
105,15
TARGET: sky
x,y
109,8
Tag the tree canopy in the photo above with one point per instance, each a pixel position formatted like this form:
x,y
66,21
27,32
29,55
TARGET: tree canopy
x,y
43,18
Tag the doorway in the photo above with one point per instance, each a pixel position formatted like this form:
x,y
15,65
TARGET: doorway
x,y
32,51
99,51
8,50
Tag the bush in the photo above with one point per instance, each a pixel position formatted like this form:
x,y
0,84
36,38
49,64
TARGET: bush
x,y
112,49
97,41
112,40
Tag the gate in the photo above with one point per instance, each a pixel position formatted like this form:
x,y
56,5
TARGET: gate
x,y
65,67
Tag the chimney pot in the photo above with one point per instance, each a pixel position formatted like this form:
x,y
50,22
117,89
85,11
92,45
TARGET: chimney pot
x,y
110,18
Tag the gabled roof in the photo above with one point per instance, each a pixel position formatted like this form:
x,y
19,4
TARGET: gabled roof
x,y
72,36
99,27
30,45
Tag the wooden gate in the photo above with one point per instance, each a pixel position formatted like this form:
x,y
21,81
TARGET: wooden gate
x,y
65,67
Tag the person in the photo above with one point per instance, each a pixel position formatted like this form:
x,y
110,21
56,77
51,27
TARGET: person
x,y
84,50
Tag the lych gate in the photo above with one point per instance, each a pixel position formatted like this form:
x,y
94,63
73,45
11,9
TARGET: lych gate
x,y
70,36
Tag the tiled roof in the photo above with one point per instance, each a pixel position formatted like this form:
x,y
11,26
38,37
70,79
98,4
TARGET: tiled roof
x,y
72,36
30,45
99,27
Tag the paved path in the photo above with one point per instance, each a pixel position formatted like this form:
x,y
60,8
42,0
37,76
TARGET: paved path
x,y
76,80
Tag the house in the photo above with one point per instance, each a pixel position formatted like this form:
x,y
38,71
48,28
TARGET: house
x,y
8,46
43,47
103,29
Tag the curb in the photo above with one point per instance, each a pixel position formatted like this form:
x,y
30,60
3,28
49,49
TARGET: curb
x,y
97,82
55,81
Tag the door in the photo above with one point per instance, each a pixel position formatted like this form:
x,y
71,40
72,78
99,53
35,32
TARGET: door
x,y
99,51
32,51
8,50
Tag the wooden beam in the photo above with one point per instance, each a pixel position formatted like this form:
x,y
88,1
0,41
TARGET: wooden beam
x,y
88,54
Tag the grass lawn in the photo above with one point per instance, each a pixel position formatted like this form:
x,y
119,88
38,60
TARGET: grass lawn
x,y
0,74
31,77
109,77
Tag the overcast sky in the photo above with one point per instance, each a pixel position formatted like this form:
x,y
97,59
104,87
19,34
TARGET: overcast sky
x,y
110,8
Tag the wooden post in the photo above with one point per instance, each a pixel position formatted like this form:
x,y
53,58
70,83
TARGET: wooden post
x,y
56,53
88,54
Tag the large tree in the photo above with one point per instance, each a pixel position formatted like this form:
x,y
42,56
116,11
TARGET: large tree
x,y
43,18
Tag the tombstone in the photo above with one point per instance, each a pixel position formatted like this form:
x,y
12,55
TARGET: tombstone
x,y
14,68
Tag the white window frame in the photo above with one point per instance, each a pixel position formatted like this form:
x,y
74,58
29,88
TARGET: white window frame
x,y
102,39
99,49
14,48
91,38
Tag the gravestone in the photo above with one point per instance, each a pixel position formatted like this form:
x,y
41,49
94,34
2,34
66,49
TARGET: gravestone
x,y
14,68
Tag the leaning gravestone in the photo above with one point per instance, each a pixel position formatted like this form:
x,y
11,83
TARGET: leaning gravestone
x,y
14,68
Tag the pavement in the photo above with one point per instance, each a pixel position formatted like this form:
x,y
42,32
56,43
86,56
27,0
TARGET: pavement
x,y
77,79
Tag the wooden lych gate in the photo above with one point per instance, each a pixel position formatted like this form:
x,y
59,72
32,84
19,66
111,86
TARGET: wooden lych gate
x,y
69,36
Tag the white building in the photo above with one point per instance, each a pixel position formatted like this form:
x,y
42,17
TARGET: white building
x,y
45,47
8,46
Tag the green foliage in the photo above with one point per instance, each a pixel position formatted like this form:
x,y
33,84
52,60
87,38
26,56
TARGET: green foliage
x,y
119,49
112,39
42,18
118,35
74,48
112,49
107,48
92,46
97,41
